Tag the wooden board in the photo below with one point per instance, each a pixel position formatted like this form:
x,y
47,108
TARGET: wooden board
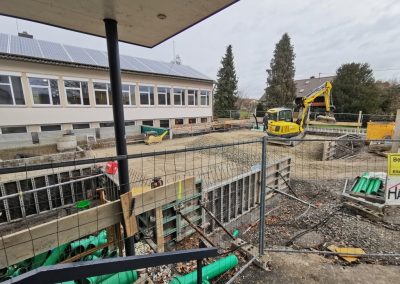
x,y
41,238
27,243
130,222
159,229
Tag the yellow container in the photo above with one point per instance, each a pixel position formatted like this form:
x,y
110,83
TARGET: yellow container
x,y
380,130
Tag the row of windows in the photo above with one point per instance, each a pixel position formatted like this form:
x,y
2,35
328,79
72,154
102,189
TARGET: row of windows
x,y
46,92
57,127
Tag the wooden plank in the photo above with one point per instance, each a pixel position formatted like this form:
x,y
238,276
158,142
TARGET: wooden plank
x,y
35,240
159,229
162,195
130,222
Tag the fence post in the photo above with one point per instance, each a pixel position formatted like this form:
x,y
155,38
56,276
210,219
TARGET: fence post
x,y
396,134
262,196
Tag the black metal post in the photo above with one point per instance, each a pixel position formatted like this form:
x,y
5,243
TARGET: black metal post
x,y
118,113
199,271
262,195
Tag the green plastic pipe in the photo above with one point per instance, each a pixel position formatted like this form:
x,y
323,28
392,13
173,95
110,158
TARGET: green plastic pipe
x,y
39,260
376,186
357,185
91,257
19,271
364,186
126,277
209,271
55,255
360,183
370,186
88,243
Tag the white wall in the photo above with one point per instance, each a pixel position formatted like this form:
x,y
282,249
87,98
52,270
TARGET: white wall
x,y
57,115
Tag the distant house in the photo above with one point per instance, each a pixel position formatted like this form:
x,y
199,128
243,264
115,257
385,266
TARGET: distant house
x,y
305,86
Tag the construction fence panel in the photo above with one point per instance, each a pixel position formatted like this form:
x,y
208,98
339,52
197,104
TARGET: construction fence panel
x,y
63,214
336,201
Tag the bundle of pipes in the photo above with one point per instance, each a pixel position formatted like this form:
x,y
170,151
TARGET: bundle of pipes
x,y
61,253
367,184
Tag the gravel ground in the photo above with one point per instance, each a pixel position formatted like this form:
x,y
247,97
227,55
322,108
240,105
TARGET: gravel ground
x,y
333,222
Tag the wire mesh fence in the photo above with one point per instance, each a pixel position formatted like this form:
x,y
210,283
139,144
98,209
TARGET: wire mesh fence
x,y
198,191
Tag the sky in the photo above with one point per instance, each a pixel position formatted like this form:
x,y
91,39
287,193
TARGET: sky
x,y
325,34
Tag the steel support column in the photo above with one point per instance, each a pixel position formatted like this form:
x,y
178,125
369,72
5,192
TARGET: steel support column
x,y
262,195
118,113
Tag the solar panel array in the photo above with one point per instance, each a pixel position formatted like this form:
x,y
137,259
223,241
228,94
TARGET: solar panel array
x,y
16,45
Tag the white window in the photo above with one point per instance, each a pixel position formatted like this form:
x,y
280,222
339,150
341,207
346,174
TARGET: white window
x,y
13,129
179,96
102,93
77,92
204,97
146,95
44,91
11,90
128,94
192,97
164,95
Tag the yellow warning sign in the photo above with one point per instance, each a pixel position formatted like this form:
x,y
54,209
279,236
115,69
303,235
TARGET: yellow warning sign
x,y
394,165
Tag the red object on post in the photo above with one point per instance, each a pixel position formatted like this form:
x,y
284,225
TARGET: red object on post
x,y
111,168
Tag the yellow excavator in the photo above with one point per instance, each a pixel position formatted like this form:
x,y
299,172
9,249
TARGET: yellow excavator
x,y
280,120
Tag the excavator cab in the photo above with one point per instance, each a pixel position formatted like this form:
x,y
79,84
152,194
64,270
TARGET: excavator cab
x,y
280,123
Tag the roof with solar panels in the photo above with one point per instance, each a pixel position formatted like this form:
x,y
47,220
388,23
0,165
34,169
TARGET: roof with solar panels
x,y
24,47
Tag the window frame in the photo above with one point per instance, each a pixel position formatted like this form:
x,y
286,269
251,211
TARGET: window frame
x,y
17,126
80,81
152,121
50,125
166,94
81,127
169,123
108,91
181,95
130,85
48,78
148,95
207,96
194,95
10,83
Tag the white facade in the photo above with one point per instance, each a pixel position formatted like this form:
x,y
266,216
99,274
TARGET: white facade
x,y
56,94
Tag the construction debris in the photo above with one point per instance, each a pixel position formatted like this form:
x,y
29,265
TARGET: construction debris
x,y
346,253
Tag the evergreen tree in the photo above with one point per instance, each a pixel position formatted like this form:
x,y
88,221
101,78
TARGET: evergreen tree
x,y
225,95
281,89
354,89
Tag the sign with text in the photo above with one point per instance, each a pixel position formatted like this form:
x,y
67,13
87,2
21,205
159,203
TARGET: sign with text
x,y
393,165
392,195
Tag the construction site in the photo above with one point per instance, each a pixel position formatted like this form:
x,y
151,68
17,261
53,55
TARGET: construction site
x,y
148,176
206,189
